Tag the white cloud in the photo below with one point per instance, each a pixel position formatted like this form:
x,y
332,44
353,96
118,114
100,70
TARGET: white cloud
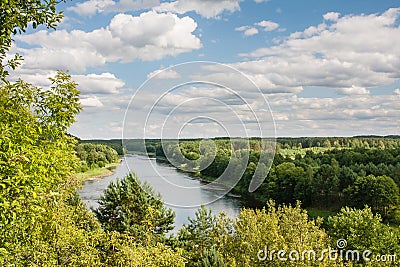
x,y
267,25
164,74
91,101
397,91
36,77
260,1
247,30
92,7
251,31
360,50
149,36
353,90
348,115
206,8
294,116
105,83
241,28
333,16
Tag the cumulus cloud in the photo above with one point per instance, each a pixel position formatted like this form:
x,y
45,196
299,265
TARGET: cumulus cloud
x,y
397,91
105,83
36,77
149,36
353,90
334,16
241,28
356,50
294,115
247,30
347,115
92,7
268,25
90,101
264,25
251,31
164,74
206,8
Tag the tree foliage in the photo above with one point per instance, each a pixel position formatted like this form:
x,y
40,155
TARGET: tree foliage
x,y
38,223
15,17
128,206
42,220
380,193
363,231
277,228
44,223
197,237
324,177
95,155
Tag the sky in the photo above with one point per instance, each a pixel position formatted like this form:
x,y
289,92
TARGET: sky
x,y
204,68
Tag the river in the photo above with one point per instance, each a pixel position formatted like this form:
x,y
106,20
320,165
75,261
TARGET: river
x,y
170,183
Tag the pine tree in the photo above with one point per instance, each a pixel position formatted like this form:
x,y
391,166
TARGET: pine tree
x,y
128,206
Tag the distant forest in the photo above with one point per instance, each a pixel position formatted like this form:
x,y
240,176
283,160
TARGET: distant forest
x,y
324,173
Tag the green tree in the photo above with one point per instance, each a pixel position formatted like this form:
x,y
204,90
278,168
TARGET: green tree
x,y
327,143
118,249
94,155
326,185
363,231
39,224
15,16
42,221
211,258
197,236
380,193
290,183
283,228
128,206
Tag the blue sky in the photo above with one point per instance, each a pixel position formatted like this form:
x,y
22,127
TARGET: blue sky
x,y
304,68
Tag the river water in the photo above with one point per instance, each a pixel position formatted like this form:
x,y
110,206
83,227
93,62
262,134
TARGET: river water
x,y
171,184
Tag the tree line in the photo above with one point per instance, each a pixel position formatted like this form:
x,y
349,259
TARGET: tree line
x,y
327,179
95,155
115,144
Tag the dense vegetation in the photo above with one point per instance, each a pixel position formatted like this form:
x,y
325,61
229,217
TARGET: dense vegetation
x,y
95,155
42,220
352,172
127,206
216,240
44,223
115,144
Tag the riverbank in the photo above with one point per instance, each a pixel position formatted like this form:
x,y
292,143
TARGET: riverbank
x,y
98,173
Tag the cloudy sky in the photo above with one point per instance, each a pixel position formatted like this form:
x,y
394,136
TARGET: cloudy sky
x,y
258,67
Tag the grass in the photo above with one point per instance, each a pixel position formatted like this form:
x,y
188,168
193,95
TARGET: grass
x,y
317,212
97,173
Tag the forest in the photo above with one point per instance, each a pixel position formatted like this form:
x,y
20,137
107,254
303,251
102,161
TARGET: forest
x,y
43,222
322,173
94,155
